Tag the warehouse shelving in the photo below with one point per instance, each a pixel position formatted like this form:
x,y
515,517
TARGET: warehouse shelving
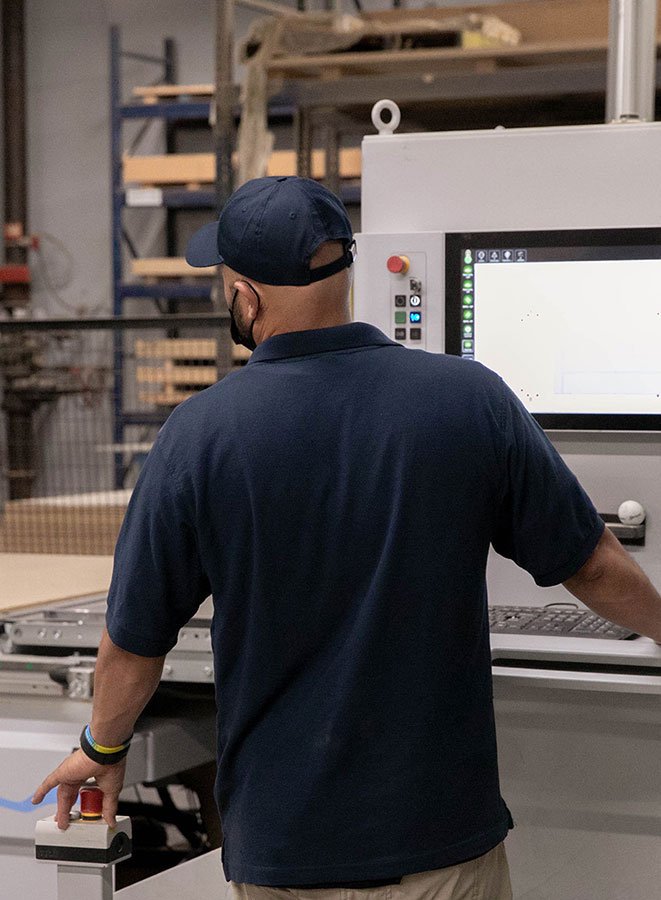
x,y
167,294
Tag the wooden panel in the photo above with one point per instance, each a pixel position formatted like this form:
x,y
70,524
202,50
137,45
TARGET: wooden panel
x,y
200,168
177,348
30,579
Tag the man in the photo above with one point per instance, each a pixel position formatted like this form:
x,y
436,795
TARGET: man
x,y
338,498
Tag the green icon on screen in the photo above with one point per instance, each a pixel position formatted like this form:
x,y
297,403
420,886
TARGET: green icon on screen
x,y
468,271
467,300
468,331
468,314
468,285
468,345
468,256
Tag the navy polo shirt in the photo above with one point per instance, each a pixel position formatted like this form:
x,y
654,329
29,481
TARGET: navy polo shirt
x,y
338,497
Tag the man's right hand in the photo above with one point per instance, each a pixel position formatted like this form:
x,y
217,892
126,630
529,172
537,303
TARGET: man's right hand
x,y
71,775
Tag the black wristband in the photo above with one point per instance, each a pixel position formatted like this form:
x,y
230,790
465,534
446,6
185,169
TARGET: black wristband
x,y
104,759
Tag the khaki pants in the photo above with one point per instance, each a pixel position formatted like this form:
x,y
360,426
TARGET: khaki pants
x,y
484,878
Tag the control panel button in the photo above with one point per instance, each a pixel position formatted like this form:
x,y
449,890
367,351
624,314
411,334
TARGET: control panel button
x,y
398,265
415,317
416,334
415,285
400,334
400,299
415,299
400,317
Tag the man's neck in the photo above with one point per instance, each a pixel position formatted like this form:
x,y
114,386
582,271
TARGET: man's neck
x,y
304,324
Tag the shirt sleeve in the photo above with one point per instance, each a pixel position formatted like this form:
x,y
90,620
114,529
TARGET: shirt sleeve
x,y
158,581
546,522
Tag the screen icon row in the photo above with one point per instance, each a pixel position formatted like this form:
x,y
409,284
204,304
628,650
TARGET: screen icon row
x,y
494,256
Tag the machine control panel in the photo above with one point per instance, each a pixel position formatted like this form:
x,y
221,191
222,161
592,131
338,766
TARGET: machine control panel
x,y
399,287
407,277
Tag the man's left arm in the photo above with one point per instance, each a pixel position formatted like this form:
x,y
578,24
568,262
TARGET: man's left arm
x,y
158,583
123,685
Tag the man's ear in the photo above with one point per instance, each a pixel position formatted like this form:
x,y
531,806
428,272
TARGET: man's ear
x,y
250,297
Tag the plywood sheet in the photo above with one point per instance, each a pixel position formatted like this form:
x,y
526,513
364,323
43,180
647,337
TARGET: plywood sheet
x,y
31,579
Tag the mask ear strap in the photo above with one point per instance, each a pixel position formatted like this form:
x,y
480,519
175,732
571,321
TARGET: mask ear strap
x,y
259,299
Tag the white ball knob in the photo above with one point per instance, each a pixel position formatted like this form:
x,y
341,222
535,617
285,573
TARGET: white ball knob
x,y
631,513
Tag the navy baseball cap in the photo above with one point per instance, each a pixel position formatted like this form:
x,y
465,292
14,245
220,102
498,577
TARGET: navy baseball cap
x,y
270,228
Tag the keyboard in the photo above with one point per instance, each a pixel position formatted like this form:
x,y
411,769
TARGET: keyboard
x,y
554,620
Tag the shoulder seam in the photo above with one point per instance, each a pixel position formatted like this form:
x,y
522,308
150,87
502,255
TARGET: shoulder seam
x,y
168,467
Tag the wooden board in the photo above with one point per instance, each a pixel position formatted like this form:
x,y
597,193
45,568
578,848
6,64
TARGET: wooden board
x,y
378,60
150,93
200,168
168,267
31,579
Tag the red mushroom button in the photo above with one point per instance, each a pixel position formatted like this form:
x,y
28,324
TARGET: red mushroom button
x,y
399,265
91,802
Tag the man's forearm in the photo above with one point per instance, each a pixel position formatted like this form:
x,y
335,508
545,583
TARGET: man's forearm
x,y
613,585
123,685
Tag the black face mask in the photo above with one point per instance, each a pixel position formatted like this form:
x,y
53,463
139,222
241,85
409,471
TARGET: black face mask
x,y
246,340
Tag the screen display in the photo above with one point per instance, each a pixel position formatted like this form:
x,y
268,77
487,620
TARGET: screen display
x,y
571,320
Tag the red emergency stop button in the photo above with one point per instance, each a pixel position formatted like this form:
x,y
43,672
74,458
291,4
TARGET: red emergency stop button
x,y
91,803
399,265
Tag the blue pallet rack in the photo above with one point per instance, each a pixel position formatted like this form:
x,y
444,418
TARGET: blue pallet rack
x,y
171,111
172,198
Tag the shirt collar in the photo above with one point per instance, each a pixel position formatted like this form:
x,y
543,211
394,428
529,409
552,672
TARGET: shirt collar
x,y
319,340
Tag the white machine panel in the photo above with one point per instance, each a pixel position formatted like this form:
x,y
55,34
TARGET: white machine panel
x,y
407,306
589,176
